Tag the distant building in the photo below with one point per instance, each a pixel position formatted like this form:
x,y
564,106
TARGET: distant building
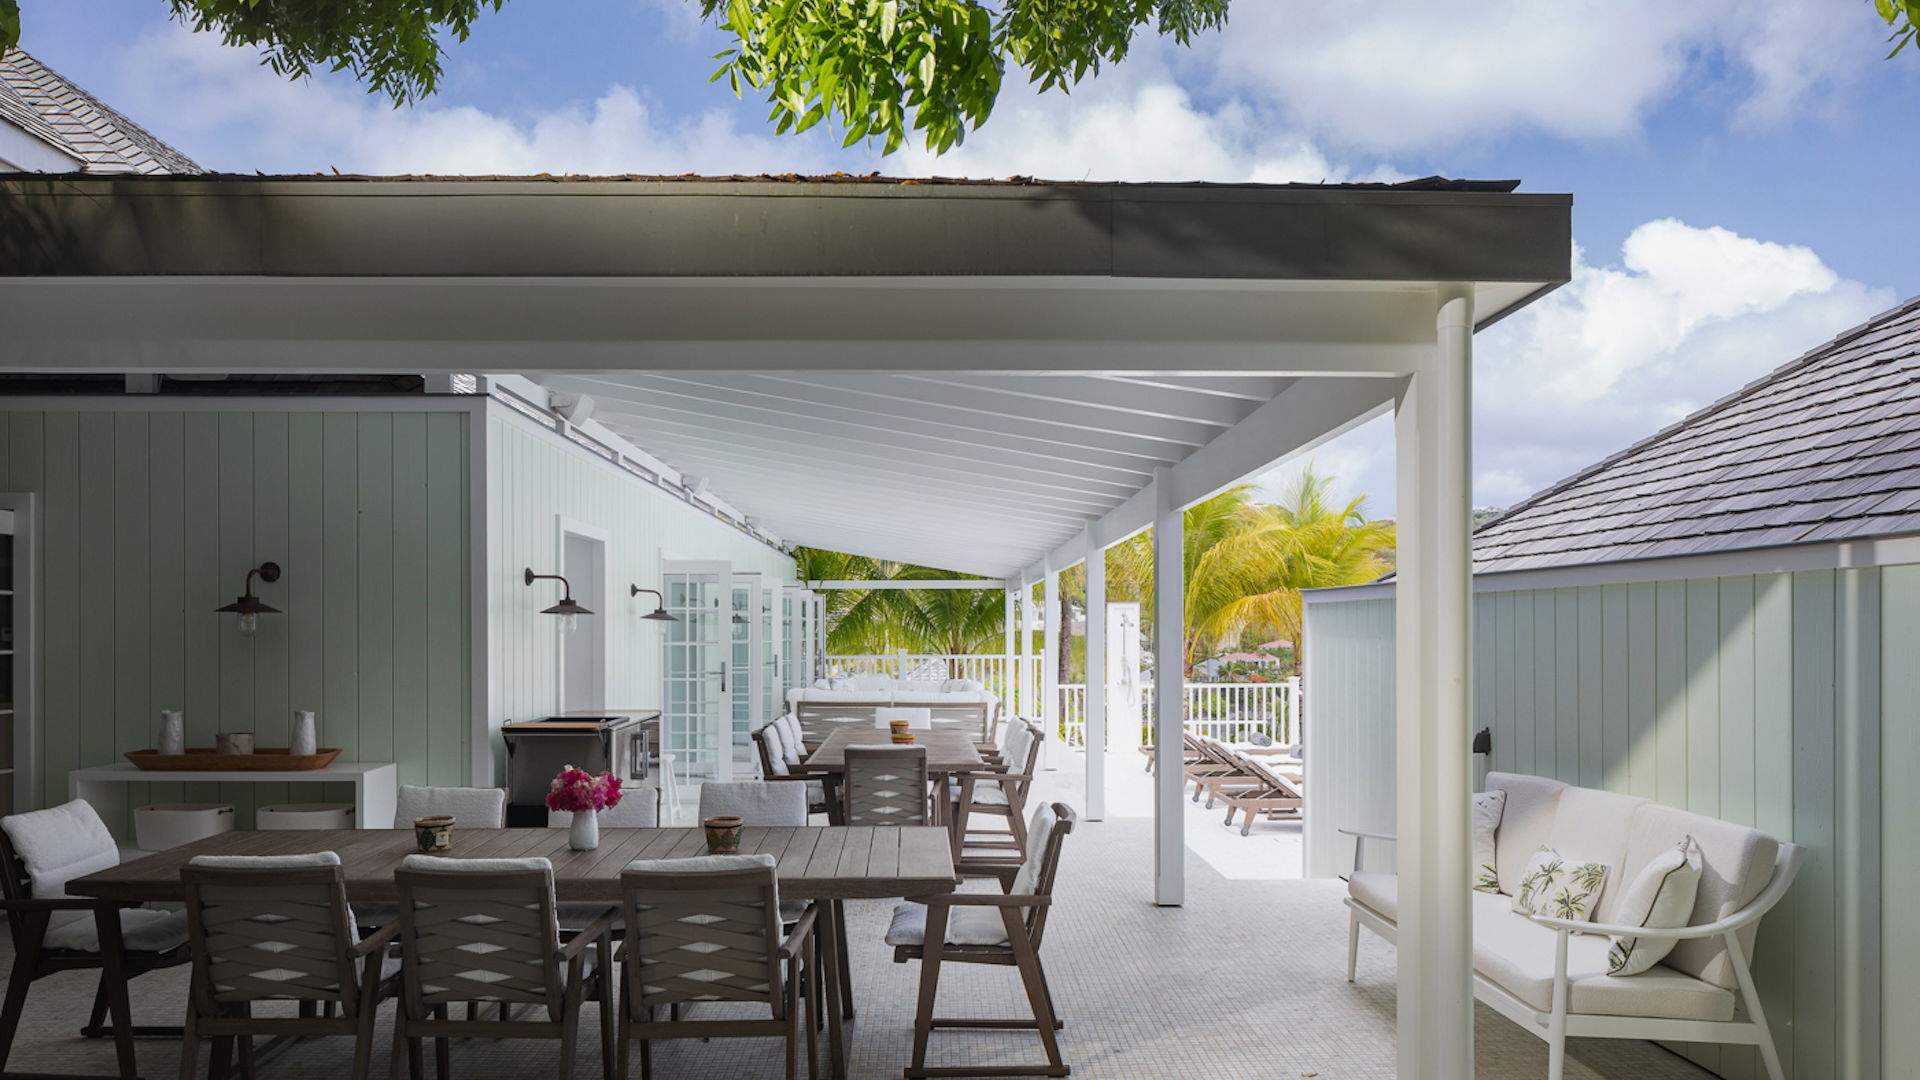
x,y
49,125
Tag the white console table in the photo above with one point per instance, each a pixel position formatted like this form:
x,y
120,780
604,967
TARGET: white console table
x,y
374,786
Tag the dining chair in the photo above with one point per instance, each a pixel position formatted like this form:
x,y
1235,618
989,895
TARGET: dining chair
x,y
476,808
634,811
885,785
709,929
484,930
1004,929
999,791
755,802
40,852
277,928
776,764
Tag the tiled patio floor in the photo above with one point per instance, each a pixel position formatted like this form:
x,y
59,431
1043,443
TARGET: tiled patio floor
x,y
1246,980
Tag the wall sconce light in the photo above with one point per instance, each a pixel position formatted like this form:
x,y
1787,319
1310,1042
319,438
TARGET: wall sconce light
x,y
568,611
659,612
250,607
1483,741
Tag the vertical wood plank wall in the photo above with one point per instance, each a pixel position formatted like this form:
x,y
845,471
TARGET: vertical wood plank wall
x,y
534,479
1790,702
150,521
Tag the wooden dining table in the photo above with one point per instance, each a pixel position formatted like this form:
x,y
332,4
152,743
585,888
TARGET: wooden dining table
x,y
950,751
827,864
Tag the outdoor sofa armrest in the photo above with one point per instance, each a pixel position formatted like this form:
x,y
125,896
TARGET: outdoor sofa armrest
x,y
1365,835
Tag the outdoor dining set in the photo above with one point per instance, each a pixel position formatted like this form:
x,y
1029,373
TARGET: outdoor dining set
x,y
477,931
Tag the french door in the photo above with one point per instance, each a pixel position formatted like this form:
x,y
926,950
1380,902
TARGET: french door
x,y
749,649
696,707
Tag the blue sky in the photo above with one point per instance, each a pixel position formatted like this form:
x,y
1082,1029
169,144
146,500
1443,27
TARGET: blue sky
x,y
1741,169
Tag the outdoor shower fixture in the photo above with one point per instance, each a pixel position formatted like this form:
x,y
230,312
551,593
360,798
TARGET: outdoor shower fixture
x,y
250,607
568,611
659,612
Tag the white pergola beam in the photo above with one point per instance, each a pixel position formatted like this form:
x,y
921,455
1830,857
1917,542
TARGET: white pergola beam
x,y
1117,400
973,584
1096,682
1305,415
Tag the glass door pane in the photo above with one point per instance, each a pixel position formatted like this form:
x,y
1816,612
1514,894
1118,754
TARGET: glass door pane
x,y
773,687
748,649
694,669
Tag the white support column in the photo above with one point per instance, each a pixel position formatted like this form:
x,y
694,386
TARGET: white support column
x,y
1169,697
1021,691
1050,664
1433,649
1096,679
1011,671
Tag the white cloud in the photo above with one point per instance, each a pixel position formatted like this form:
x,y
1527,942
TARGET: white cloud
x,y
1400,75
1688,316
232,114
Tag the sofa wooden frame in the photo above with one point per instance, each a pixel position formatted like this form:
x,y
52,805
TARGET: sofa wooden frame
x,y
1557,1024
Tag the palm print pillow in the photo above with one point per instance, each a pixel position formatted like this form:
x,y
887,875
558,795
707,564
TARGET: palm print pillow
x,y
1558,887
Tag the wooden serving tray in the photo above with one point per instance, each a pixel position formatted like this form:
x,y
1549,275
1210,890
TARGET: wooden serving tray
x,y
207,759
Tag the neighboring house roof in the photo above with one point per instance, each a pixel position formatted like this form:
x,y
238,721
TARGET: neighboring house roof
x,y
1825,448
38,101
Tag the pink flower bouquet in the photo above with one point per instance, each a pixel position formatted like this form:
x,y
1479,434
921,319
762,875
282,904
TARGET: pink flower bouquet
x,y
577,791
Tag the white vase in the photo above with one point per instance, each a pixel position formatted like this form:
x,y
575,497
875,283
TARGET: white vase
x,y
173,732
306,739
583,833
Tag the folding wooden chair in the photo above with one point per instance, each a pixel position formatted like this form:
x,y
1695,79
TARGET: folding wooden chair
x,y
1271,792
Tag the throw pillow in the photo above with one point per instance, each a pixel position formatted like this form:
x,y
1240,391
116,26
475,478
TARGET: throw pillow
x,y
1661,896
1558,887
1487,808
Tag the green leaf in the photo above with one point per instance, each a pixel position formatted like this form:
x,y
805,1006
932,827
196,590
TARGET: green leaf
x,y
9,24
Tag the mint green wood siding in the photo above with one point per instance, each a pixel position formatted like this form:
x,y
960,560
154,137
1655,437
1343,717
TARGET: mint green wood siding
x,y
533,480
151,519
1790,702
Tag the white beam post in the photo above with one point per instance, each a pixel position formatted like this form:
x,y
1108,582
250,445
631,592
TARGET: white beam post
x,y
1169,695
1433,701
1050,663
1095,711
1022,693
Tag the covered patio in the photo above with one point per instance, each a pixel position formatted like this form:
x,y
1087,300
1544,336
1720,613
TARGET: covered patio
x,y
1000,379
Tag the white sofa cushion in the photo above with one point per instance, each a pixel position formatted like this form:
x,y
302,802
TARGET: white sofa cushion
x,y
1525,822
1590,825
1516,954
1559,886
1377,890
1486,822
1660,896
879,684
1736,862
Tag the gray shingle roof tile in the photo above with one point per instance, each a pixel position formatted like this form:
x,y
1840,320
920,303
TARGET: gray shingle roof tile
x,y
36,99
1825,448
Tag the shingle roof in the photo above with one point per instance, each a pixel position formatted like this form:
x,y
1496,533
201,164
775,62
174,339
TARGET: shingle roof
x,y
36,99
1825,448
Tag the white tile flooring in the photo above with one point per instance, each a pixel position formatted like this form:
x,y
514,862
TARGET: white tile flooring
x,y
1245,980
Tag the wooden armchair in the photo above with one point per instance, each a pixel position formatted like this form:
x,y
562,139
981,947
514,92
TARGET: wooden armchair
x,y
53,933
709,929
777,761
999,791
988,928
277,928
886,785
449,909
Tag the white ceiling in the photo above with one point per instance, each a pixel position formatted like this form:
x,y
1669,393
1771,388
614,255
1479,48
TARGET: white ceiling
x,y
980,473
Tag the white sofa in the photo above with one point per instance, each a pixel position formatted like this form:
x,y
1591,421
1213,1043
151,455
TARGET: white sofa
x,y
1550,975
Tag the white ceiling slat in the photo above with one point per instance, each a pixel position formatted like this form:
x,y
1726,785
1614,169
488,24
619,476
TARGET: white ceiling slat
x,y
645,419
1125,400
1256,389
878,388
848,485
686,438
825,410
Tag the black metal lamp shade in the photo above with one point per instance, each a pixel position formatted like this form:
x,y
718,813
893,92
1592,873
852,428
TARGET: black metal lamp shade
x,y
567,609
659,612
566,606
249,607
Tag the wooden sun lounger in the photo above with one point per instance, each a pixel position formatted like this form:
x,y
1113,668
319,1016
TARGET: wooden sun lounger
x,y
1274,794
1190,751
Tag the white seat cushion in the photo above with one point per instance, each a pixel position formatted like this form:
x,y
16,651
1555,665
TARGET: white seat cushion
x,y
1736,863
1516,954
141,930
989,793
1379,891
965,926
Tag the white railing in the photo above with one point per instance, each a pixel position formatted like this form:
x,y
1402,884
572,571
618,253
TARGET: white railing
x,y
989,669
1230,712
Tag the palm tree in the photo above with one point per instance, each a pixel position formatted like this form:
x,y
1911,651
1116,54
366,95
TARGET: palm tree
x,y
867,621
1246,562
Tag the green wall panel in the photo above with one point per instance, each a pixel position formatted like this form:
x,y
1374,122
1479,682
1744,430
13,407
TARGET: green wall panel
x,y
148,520
1784,701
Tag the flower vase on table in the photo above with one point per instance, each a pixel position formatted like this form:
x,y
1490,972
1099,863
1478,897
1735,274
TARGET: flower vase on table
x,y
584,795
